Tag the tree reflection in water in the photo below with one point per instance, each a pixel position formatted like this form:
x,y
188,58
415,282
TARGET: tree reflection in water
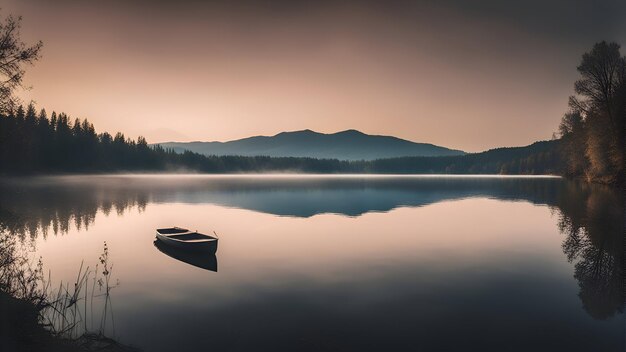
x,y
591,217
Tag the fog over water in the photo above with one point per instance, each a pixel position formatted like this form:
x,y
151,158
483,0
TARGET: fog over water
x,y
314,263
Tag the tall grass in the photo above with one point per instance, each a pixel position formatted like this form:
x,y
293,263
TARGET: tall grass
x,y
67,310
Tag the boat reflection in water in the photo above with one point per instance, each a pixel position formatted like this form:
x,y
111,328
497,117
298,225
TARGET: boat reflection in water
x,y
201,259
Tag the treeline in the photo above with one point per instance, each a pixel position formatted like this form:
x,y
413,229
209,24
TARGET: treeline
x,y
593,130
32,142
537,159
540,158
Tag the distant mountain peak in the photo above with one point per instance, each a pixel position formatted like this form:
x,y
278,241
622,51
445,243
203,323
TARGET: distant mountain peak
x,y
307,131
352,132
350,144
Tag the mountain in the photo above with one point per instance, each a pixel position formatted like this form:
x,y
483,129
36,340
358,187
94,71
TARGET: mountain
x,y
345,145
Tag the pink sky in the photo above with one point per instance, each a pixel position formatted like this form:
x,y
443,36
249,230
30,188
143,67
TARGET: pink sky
x,y
437,74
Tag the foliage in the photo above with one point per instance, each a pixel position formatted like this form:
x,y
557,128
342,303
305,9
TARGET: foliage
x,y
593,131
19,277
14,55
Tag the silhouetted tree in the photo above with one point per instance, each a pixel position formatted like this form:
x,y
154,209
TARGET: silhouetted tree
x,y
14,55
597,121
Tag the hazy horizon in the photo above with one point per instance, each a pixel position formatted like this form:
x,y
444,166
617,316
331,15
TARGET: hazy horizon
x,y
450,74
326,133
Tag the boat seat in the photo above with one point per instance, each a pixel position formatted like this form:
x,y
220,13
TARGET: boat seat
x,y
190,236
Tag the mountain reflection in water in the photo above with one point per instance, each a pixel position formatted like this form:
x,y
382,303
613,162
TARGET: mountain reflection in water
x,y
590,218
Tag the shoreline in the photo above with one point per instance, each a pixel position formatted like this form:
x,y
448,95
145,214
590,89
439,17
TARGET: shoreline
x,y
279,174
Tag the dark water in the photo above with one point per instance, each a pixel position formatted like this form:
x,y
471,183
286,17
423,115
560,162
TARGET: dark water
x,y
340,263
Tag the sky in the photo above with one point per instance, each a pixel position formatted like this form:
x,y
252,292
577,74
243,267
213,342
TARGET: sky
x,y
465,75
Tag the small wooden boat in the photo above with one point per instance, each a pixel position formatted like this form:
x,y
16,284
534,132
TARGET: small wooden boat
x,y
185,239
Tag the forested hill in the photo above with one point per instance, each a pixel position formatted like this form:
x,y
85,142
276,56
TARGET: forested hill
x,y
345,145
34,143
538,158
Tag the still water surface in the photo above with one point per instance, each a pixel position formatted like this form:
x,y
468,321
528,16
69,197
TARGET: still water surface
x,y
315,263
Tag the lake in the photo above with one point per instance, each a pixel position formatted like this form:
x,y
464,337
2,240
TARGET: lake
x,y
327,263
